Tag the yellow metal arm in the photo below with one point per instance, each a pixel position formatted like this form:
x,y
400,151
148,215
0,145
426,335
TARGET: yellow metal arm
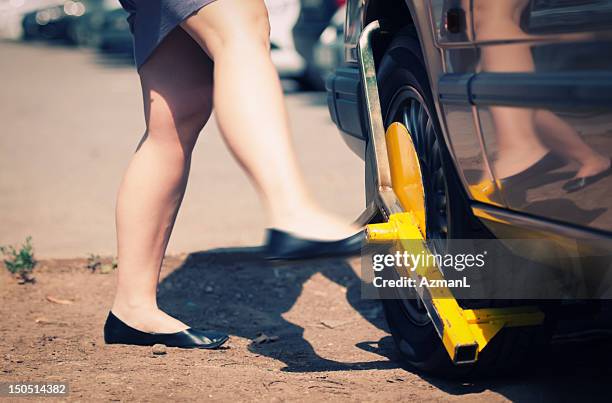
x,y
464,332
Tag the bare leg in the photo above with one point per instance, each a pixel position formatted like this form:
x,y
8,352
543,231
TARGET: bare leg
x,y
177,92
563,139
251,113
525,135
518,142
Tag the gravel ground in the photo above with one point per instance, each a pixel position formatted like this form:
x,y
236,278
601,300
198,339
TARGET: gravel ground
x,y
323,341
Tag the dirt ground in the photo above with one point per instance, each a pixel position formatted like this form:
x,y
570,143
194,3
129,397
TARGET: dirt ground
x,y
331,344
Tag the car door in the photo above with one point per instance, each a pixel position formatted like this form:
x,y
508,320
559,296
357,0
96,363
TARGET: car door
x,y
542,93
538,76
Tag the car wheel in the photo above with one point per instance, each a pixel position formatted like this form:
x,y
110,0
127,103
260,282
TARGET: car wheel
x,y
406,97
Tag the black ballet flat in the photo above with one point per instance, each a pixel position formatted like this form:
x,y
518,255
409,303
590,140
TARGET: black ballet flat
x,y
533,175
117,332
515,187
577,184
281,245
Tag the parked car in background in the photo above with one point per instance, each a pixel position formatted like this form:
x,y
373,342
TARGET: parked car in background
x,y
13,11
53,23
40,24
114,34
84,31
92,23
329,50
315,16
283,15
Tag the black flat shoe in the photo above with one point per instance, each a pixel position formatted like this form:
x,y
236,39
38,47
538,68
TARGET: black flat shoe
x,y
117,332
577,184
515,187
281,245
533,175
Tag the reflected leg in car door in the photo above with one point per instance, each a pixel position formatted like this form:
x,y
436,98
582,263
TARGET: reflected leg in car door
x,y
525,136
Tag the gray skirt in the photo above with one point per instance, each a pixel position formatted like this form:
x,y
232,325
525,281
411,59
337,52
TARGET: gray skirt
x,y
151,20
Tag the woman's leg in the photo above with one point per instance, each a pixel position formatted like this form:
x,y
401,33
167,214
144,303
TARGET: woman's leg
x,y
519,145
525,135
177,92
251,113
563,139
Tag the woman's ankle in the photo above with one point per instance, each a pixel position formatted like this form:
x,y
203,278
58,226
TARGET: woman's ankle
x,y
593,166
315,223
148,319
130,304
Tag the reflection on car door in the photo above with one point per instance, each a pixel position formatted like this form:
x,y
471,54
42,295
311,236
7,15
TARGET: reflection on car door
x,y
539,76
542,93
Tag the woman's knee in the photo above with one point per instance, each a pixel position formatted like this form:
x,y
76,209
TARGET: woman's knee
x,y
253,35
258,29
177,85
236,27
179,123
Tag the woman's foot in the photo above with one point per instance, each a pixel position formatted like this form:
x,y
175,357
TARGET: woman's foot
x,y
117,331
514,162
594,166
149,320
313,223
587,177
281,245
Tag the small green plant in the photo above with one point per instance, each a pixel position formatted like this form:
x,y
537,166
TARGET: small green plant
x,y
20,262
94,263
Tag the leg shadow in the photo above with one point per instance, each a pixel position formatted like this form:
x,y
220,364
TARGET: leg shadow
x,y
236,290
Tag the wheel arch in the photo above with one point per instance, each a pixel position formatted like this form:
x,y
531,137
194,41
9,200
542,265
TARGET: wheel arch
x,y
395,11
399,14
415,14
396,14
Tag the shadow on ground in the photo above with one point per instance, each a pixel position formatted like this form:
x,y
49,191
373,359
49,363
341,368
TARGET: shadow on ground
x,y
236,290
570,371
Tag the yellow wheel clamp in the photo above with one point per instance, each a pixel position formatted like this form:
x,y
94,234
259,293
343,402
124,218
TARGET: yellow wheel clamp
x,y
464,332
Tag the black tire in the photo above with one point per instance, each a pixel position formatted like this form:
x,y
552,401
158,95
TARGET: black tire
x,y
403,83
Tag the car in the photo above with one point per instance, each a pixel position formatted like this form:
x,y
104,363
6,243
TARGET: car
x,y
483,120
54,22
328,52
114,35
41,24
283,15
314,17
12,13
85,30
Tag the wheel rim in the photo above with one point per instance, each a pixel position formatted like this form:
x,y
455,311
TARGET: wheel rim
x,y
409,108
